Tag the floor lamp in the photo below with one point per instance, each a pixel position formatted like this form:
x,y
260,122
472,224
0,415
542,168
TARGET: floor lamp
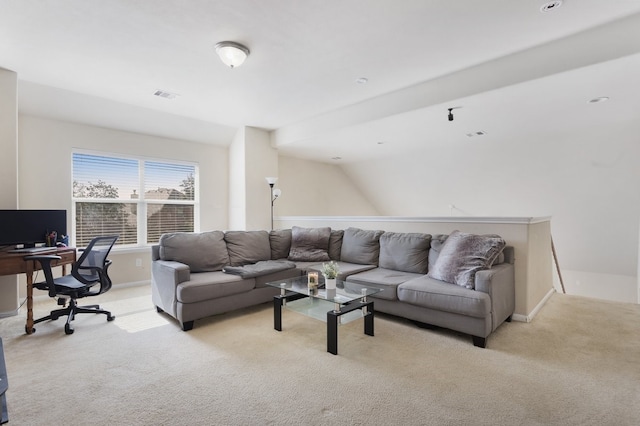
x,y
275,193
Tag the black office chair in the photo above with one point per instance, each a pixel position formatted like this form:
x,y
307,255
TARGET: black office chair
x,y
88,271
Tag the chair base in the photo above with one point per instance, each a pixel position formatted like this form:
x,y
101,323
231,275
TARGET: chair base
x,y
71,311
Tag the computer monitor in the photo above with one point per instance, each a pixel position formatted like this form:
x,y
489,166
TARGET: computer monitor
x,y
30,227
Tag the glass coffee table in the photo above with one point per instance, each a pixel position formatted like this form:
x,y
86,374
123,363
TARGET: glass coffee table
x,y
347,302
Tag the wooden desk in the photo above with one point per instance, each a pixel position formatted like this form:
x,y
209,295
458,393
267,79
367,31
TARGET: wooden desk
x,y
14,263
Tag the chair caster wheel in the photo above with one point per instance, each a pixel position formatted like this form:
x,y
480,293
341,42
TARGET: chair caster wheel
x,y
68,329
111,317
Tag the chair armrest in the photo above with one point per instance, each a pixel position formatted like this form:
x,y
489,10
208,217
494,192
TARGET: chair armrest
x,y
499,283
45,261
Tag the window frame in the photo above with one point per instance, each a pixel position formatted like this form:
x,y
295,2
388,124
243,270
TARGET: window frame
x,y
141,202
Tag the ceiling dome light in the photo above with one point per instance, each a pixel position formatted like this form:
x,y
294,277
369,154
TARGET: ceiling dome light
x,y
231,53
598,100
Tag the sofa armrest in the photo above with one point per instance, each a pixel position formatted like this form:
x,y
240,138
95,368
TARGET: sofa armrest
x,y
499,283
165,277
155,252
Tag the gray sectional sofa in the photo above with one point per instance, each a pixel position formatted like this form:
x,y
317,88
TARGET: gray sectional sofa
x,y
460,281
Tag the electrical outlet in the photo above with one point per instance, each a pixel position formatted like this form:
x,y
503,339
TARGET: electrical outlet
x,y
138,262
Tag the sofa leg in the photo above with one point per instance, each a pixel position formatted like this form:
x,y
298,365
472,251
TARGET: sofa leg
x,y
480,342
159,310
186,326
508,318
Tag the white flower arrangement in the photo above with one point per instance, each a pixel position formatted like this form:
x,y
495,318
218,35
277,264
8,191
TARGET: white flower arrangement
x,y
330,270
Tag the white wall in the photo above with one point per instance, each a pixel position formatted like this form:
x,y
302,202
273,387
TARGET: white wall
x,y
312,188
587,182
8,173
45,148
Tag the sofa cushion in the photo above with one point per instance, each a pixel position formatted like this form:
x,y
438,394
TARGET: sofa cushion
x,y
430,293
280,240
406,252
201,251
462,255
386,279
246,247
212,285
309,244
335,243
361,246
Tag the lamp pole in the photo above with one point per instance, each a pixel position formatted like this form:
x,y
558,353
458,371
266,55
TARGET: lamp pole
x,y
272,181
272,200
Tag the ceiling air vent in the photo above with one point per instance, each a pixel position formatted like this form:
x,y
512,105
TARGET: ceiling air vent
x,y
165,94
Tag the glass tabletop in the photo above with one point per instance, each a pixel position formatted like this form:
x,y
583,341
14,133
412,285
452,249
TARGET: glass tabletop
x,y
344,292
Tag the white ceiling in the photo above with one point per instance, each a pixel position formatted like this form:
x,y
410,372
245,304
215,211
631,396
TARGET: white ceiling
x,y
512,68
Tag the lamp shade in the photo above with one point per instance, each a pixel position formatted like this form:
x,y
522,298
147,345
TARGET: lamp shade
x,y
231,53
271,180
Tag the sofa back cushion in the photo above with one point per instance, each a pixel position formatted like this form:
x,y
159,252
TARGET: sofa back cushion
x,y
406,252
246,247
280,240
335,243
201,251
462,255
309,244
361,246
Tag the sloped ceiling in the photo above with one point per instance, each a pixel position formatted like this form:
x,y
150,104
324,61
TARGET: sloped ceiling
x,y
506,63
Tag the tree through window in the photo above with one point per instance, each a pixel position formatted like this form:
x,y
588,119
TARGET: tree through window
x,y
137,199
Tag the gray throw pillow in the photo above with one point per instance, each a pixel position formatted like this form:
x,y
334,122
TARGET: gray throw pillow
x,y
335,243
201,251
280,240
462,255
246,247
361,246
309,244
407,252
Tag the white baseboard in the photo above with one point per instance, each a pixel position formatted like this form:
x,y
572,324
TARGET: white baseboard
x,y
9,314
534,312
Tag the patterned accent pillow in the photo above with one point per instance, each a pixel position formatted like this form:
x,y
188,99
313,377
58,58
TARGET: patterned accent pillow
x,y
462,255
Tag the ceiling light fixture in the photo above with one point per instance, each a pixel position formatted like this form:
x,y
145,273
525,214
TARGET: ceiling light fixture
x,y
598,100
550,6
231,53
362,80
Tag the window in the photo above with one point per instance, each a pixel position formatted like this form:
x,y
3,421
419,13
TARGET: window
x,y
138,199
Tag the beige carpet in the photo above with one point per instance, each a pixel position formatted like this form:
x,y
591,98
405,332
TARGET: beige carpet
x,y
577,363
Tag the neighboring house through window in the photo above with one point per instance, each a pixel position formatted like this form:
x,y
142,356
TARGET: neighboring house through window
x,y
137,198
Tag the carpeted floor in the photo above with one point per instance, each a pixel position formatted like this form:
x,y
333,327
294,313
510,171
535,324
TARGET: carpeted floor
x,y
577,363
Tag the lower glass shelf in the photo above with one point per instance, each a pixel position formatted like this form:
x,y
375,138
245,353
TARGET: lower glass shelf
x,y
317,308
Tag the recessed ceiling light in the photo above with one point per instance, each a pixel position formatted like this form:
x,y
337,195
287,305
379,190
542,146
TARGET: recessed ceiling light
x,y
478,133
598,100
380,143
336,158
362,80
551,6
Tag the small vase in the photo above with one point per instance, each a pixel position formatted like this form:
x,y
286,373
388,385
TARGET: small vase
x,y
330,283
